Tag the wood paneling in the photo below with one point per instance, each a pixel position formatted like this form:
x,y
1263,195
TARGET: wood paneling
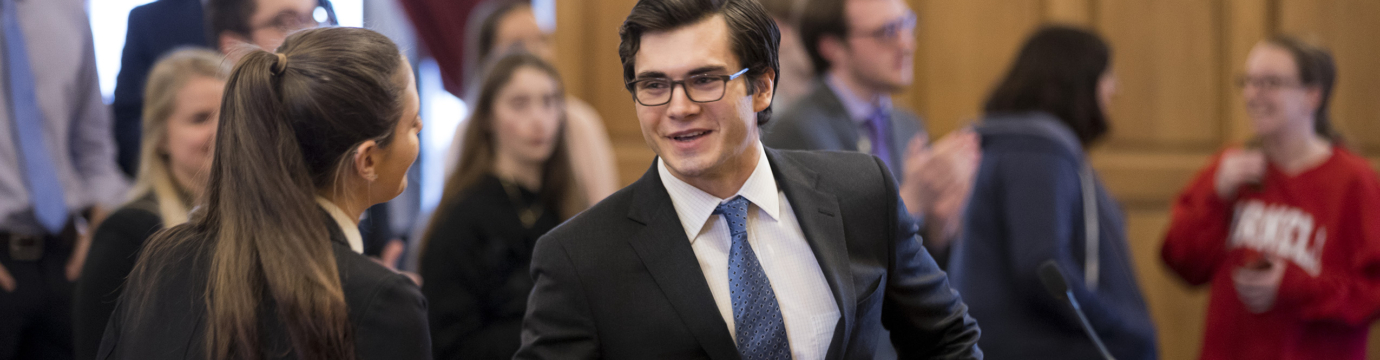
x,y
964,47
1166,55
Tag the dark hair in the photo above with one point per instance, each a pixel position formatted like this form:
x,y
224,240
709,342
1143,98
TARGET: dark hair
x,y
228,15
822,18
1057,71
289,122
1316,68
753,35
488,27
559,189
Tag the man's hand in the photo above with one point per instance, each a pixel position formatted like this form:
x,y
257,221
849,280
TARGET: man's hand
x,y
7,282
938,180
83,245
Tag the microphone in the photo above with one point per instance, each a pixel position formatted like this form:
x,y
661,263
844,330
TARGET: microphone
x,y
1053,279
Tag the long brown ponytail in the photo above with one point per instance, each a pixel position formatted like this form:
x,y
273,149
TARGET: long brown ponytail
x,y
287,120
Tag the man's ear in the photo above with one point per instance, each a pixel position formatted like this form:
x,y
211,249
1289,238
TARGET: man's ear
x,y
832,48
366,167
764,86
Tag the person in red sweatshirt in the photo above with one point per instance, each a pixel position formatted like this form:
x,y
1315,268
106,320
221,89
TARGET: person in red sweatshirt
x,y
1287,231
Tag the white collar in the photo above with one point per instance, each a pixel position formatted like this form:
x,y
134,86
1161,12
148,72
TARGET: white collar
x,y
859,109
348,226
695,206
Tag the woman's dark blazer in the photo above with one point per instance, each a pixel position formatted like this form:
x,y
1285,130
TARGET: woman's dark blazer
x,y
386,309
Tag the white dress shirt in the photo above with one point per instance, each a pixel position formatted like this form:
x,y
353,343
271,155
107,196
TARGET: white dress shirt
x,y
807,305
349,227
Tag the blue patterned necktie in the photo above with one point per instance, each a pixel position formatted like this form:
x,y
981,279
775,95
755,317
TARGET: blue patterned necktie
x,y
756,316
45,191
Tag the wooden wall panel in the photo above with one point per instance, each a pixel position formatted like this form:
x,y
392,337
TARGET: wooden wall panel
x,y
964,47
1166,55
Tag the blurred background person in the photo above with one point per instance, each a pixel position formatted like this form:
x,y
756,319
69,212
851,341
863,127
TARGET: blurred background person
x,y
1030,204
184,93
153,30
57,171
797,75
159,27
1286,230
500,26
311,136
513,184
863,51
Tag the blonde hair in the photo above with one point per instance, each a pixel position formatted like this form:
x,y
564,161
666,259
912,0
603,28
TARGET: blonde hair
x,y
168,76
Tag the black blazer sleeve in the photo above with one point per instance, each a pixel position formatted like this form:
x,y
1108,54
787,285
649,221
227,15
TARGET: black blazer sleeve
x,y
393,322
559,323
926,317
114,250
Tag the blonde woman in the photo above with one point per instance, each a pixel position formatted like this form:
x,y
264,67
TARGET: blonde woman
x,y
184,92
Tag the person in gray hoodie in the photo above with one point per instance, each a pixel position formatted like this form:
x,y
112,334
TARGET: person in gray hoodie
x,y
1028,207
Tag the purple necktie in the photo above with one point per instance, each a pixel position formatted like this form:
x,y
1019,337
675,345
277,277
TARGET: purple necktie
x,y
878,132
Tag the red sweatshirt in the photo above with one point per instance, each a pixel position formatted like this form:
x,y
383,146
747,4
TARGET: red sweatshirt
x,y
1324,224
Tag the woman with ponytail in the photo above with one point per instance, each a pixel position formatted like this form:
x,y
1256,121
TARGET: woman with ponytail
x,y
270,265
180,115
1284,231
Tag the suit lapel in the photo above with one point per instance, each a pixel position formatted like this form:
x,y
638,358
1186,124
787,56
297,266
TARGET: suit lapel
x,y
836,115
666,253
822,223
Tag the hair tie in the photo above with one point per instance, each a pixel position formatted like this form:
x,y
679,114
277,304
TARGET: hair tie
x,y
281,65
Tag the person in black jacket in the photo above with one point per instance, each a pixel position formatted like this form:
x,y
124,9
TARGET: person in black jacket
x,y
270,265
180,123
514,183
1036,199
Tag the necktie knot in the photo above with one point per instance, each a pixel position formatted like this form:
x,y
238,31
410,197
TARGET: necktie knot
x,y
734,209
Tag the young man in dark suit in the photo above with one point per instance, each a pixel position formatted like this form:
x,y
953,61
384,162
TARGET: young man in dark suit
x,y
726,249
863,51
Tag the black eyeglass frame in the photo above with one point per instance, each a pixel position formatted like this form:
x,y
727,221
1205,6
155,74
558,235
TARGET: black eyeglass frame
x,y
724,79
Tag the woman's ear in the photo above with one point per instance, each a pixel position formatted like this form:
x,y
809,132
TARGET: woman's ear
x,y
366,164
1315,96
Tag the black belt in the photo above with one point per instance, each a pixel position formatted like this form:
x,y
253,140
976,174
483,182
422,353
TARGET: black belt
x,y
24,247
27,247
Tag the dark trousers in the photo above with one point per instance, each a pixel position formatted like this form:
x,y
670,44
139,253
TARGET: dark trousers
x,y
36,319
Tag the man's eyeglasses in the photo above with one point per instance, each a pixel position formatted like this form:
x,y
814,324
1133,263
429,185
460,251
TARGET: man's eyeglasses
x,y
289,21
699,88
893,30
1266,83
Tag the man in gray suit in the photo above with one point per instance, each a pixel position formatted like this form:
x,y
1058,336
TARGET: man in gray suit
x,y
863,51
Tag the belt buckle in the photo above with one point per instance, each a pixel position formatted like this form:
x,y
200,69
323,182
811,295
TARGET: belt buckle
x,y
26,247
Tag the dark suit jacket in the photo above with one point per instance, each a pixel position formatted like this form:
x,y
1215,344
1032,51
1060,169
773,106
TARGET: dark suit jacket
x,y
818,121
620,280
154,29
386,309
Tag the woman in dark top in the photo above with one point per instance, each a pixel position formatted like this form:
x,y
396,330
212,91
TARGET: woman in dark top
x,y
1035,200
270,265
513,184
183,92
